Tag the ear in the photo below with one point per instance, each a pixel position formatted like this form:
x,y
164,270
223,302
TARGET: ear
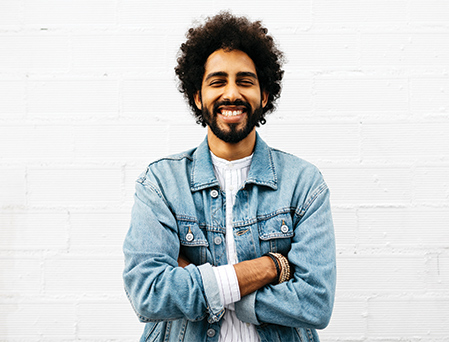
x,y
265,95
197,98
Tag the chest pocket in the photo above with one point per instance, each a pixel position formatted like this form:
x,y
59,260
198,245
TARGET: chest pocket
x,y
275,234
193,242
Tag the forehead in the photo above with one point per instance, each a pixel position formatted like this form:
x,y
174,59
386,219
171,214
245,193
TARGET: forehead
x,y
230,62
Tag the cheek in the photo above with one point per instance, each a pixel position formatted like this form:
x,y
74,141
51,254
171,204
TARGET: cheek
x,y
256,99
210,98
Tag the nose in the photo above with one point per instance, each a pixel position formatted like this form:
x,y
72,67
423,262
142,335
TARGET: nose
x,y
231,92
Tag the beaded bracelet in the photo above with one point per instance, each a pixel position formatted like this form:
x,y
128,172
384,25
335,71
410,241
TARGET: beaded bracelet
x,y
285,268
282,266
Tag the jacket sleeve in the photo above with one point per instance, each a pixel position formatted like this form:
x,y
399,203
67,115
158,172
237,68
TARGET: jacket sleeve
x,y
157,288
306,301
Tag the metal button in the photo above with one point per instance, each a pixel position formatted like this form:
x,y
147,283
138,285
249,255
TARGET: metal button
x,y
217,240
214,194
284,228
189,237
210,332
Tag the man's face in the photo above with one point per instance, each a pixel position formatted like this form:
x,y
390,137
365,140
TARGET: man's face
x,y
230,98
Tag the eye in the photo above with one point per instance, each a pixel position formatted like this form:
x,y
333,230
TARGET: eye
x,y
246,83
216,83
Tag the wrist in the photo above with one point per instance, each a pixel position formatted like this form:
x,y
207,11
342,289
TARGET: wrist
x,y
277,268
282,267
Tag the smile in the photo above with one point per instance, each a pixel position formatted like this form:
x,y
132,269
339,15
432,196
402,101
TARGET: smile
x,y
231,112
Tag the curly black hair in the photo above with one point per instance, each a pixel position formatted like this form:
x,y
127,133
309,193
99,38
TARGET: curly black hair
x,y
225,31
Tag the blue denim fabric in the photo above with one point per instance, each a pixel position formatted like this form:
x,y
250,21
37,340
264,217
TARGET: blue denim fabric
x,y
179,206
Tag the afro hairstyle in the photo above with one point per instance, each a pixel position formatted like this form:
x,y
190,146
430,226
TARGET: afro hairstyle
x,y
228,32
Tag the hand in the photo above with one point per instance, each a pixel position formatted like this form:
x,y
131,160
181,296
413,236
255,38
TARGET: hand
x,y
183,261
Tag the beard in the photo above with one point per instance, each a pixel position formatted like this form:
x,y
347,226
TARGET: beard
x,y
233,134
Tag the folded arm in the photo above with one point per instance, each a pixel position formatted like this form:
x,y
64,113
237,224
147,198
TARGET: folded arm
x,y
157,288
307,299
251,274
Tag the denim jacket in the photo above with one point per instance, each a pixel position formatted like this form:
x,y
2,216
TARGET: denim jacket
x,y
283,206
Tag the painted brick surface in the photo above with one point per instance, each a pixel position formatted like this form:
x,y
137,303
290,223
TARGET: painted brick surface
x,y
28,321
89,98
98,230
78,97
120,322
25,230
12,106
20,274
87,275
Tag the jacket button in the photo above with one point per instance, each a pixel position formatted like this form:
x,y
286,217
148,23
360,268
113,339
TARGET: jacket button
x,y
189,237
284,228
217,240
214,194
211,332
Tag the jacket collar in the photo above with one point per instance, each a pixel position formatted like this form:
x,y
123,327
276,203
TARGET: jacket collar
x,y
262,170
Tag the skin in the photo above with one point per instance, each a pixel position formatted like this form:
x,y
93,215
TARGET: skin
x,y
231,75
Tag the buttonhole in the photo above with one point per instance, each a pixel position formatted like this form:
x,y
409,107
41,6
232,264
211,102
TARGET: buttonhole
x,y
240,233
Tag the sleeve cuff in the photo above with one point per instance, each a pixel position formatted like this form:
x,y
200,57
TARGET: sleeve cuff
x,y
245,309
227,283
212,294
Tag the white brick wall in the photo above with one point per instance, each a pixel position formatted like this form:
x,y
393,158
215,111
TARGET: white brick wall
x,y
88,98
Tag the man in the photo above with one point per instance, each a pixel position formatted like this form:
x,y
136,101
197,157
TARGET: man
x,y
233,240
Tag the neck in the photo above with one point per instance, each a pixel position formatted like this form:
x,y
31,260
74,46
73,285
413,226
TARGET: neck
x,y
229,151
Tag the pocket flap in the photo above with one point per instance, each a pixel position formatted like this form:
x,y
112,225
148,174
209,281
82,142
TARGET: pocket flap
x,y
190,234
277,227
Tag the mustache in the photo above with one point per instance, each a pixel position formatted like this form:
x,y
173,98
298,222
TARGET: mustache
x,y
232,103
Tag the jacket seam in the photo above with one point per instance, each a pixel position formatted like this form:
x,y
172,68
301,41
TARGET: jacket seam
x,y
152,187
174,158
150,331
201,225
265,217
299,334
322,188
309,332
167,331
258,218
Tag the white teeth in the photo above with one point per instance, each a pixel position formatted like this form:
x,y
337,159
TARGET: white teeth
x,y
231,112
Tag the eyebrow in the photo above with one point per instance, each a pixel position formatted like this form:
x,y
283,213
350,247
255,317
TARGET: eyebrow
x,y
225,74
